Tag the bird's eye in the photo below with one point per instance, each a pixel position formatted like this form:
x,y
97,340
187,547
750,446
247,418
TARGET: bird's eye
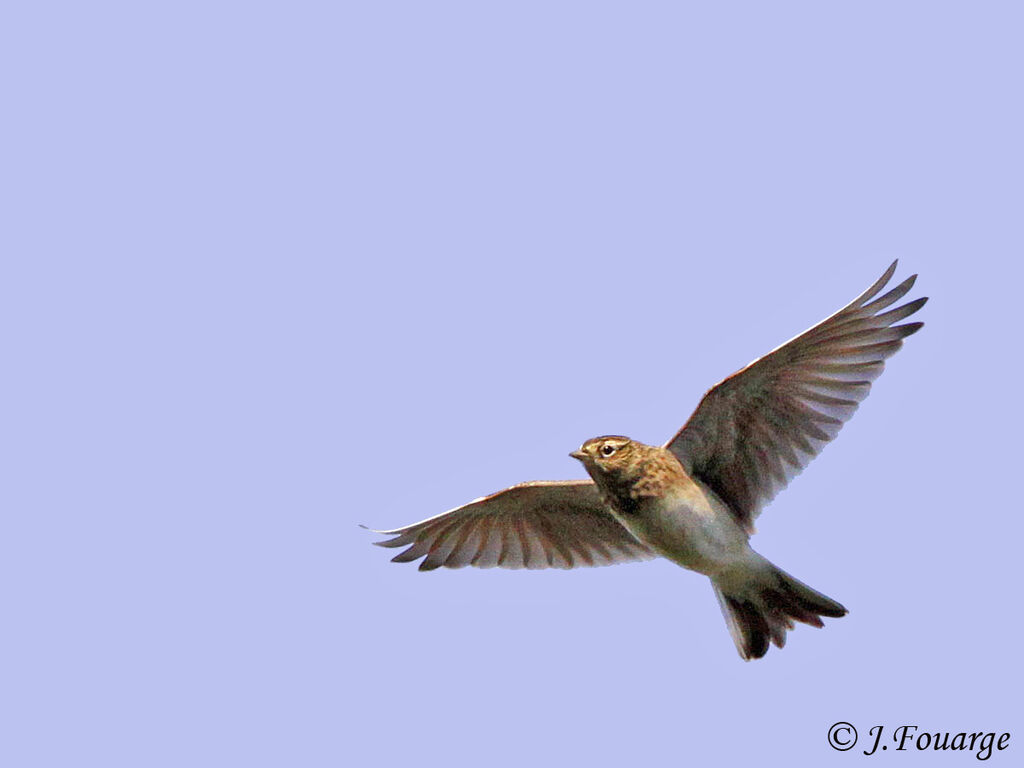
x,y
607,450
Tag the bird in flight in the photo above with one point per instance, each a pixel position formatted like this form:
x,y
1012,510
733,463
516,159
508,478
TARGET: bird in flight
x,y
694,500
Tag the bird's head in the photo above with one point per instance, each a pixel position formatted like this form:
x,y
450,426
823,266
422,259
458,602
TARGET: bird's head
x,y
610,453
626,471
614,462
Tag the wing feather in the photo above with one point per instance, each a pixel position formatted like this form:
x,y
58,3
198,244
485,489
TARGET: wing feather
x,y
756,430
533,525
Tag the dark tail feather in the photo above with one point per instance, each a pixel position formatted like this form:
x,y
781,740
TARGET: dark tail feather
x,y
760,605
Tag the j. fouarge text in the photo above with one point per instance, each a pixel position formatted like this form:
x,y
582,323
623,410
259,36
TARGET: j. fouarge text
x,y
910,736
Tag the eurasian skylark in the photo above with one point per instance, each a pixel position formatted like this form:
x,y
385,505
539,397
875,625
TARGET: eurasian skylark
x,y
695,499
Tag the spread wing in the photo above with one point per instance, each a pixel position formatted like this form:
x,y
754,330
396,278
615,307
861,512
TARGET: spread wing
x,y
533,525
756,430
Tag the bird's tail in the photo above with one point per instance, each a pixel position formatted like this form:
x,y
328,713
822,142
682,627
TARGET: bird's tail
x,y
760,603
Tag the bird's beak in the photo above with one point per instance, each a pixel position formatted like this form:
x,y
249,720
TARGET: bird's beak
x,y
579,455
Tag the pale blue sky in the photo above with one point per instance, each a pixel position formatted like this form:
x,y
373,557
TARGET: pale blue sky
x,y
273,270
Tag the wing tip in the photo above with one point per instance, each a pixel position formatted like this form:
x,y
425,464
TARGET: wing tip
x,y
384,543
887,275
392,532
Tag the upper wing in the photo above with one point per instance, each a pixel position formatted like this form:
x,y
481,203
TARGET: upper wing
x,y
533,525
754,431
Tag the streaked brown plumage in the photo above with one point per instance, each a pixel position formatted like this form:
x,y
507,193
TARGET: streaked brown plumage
x,y
694,500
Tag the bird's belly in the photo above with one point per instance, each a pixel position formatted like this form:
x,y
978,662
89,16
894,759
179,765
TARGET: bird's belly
x,y
691,533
